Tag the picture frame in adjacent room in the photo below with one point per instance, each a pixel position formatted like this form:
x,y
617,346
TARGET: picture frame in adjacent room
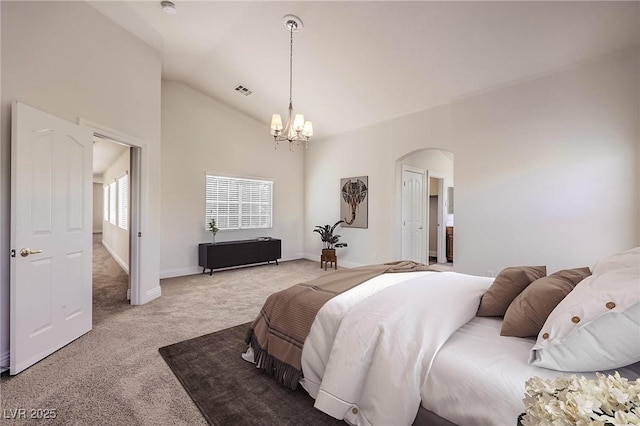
x,y
354,202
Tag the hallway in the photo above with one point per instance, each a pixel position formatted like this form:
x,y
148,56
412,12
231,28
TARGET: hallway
x,y
110,283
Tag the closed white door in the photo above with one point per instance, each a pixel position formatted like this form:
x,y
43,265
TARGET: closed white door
x,y
412,215
51,203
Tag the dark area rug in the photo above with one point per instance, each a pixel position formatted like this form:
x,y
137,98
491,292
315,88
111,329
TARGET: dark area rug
x,y
230,391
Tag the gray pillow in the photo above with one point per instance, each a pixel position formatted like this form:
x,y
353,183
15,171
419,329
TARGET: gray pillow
x,y
508,284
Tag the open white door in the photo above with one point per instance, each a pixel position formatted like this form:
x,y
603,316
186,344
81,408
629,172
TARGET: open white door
x,y
412,214
51,202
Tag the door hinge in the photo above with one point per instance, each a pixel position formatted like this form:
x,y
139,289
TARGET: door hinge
x,y
139,234
13,252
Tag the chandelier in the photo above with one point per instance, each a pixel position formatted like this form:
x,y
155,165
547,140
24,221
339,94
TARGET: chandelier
x,y
297,129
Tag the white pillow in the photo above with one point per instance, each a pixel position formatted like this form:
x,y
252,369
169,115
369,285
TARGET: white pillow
x,y
626,259
595,327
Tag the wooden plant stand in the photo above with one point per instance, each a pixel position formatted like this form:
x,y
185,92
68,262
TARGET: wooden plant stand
x,y
328,256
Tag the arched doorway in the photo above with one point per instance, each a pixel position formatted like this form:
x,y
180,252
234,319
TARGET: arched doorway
x,y
425,218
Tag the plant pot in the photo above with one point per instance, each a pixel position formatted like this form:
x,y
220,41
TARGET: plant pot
x,y
328,252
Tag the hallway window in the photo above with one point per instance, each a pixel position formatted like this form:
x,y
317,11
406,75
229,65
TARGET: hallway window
x,y
112,203
123,202
237,203
105,204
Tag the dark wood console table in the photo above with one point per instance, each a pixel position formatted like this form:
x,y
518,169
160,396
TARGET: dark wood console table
x,y
235,253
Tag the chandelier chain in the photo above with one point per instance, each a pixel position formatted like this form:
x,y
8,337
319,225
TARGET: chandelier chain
x,y
291,64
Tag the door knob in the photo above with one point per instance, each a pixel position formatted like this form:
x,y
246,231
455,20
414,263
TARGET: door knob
x,y
27,251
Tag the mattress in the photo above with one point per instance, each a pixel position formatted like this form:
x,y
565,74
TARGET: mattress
x,y
478,376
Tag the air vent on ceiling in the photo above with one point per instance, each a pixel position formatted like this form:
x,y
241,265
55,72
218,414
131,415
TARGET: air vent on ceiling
x,y
241,89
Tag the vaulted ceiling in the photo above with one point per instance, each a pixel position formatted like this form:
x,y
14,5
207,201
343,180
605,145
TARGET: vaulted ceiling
x,y
358,63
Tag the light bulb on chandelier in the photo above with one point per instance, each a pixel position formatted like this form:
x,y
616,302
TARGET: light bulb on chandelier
x,y
297,129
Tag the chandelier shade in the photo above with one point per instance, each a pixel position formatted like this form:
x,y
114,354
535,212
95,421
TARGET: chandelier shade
x,y
297,129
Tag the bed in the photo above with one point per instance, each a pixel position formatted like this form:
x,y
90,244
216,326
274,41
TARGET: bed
x,y
404,348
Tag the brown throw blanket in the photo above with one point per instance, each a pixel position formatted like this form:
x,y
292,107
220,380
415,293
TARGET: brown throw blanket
x,y
278,333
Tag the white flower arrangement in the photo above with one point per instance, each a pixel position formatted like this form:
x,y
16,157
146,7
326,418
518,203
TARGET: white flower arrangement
x,y
603,401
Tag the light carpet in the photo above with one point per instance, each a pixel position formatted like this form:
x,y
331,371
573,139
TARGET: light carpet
x,y
114,374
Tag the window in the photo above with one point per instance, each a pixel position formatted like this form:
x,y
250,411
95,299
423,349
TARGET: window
x,y
112,203
105,204
123,202
239,203
116,202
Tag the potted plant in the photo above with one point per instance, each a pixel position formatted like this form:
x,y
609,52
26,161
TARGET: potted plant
x,y
213,229
329,239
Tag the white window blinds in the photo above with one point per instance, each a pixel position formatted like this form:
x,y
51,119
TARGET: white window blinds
x,y
112,203
123,202
105,204
239,203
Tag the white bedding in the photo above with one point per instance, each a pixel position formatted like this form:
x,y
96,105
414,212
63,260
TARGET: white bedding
x,y
317,347
477,369
371,348
478,376
377,350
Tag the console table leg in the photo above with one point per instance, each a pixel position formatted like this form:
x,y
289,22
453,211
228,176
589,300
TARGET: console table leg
x,y
204,270
211,272
277,262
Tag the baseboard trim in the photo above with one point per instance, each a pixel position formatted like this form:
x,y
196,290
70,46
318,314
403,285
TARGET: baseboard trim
x,y
192,270
433,253
179,272
347,264
292,257
4,361
154,293
117,258
341,262
148,296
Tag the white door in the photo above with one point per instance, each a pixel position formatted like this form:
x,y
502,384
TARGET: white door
x,y
51,202
412,215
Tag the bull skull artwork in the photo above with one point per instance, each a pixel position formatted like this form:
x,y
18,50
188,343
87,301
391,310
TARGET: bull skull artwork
x,y
354,192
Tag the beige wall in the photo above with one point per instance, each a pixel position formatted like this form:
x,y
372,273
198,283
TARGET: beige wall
x,y
67,59
433,186
114,238
98,203
201,135
371,151
546,171
365,152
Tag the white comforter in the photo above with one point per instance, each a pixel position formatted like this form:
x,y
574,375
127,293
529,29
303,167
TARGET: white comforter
x,y
371,348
